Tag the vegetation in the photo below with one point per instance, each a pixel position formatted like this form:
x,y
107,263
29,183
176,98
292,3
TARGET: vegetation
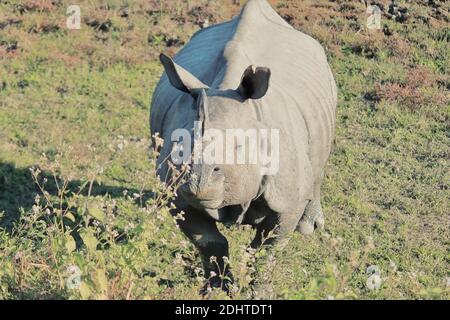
x,y
78,195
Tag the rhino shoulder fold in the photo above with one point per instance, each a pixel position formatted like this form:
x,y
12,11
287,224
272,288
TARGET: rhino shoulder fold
x,y
291,186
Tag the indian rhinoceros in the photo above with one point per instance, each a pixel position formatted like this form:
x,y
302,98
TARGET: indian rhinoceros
x,y
254,71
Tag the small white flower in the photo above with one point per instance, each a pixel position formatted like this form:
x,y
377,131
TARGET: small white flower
x,y
184,243
393,266
17,256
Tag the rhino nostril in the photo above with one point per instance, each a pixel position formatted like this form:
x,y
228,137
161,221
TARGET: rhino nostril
x,y
216,169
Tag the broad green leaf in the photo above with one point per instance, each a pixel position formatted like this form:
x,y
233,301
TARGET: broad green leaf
x,y
85,290
101,280
70,244
96,212
70,216
90,241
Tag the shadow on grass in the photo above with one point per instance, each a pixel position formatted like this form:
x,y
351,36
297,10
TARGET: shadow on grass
x,y
18,190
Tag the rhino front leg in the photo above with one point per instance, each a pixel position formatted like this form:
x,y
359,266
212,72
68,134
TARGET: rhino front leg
x,y
274,231
276,228
212,246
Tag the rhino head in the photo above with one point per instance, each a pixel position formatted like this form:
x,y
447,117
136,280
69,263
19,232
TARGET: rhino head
x,y
222,173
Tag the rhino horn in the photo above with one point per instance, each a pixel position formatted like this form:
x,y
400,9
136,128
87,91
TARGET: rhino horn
x,y
254,82
180,78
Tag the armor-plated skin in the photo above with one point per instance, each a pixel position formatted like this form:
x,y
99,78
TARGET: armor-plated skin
x,y
300,102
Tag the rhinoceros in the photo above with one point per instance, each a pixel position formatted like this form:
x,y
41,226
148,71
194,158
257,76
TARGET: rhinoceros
x,y
254,71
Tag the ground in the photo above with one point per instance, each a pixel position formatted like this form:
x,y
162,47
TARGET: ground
x,y
76,174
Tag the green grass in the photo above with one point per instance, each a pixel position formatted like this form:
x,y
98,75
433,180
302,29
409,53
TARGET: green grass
x,y
74,103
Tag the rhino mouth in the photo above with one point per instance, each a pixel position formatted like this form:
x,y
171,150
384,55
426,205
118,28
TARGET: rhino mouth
x,y
200,202
211,204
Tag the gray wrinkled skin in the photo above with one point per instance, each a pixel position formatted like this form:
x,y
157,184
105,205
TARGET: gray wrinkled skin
x,y
290,88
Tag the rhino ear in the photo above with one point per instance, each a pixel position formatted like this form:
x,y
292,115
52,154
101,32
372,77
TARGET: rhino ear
x,y
254,82
180,78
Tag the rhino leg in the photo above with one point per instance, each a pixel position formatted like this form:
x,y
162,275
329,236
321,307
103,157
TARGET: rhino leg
x,y
212,246
276,228
313,216
274,231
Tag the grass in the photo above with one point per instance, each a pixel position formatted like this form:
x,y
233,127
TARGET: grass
x,y
74,106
